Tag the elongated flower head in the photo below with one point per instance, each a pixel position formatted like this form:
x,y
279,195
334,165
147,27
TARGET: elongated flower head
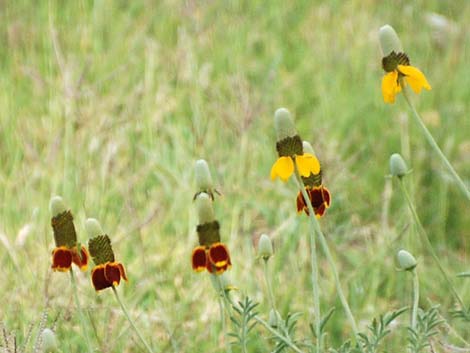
x,y
284,124
406,261
49,341
204,208
67,250
107,272
203,176
397,66
265,247
389,40
398,165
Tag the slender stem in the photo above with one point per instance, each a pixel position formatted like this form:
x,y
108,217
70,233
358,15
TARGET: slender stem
x,y
126,314
316,227
313,261
268,285
79,309
433,143
223,304
414,311
427,243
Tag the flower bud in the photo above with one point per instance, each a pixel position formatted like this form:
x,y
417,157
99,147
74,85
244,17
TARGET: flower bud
x,y
265,247
284,124
93,227
406,261
274,319
398,165
49,341
204,208
57,206
389,40
203,176
307,147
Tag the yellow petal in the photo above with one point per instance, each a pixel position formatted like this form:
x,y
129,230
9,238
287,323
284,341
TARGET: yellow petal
x,y
414,77
283,168
390,87
307,164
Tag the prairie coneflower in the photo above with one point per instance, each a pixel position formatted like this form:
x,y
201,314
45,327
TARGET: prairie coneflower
x,y
66,251
211,254
318,194
289,149
107,272
397,66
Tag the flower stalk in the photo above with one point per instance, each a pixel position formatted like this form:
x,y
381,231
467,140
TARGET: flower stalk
x,y
414,309
126,314
79,309
317,230
433,143
427,243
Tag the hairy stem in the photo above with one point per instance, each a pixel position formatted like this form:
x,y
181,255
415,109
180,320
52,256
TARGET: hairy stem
x,y
126,314
317,230
433,143
268,285
427,243
414,310
80,312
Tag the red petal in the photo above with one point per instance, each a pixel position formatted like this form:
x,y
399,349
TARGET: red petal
x,y
218,255
82,260
199,259
98,278
112,273
61,259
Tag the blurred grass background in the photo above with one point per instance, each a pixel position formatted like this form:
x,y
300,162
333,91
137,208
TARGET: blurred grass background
x,y
109,103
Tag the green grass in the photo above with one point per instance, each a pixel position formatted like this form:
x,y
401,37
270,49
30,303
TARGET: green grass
x,y
109,103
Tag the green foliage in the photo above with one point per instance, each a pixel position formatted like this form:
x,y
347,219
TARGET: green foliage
x,y
243,322
287,328
427,326
379,330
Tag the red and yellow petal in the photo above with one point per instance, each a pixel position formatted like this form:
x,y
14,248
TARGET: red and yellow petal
x,y
61,259
98,278
301,206
282,168
112,273
415,78
81,260
199,259
390,87
122,271
307,164
219,255
321,199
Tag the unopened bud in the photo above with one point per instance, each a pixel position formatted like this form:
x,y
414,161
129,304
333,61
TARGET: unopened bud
x,y
406,261
389,40
204,208
274,319
49,341
265,247
284,124
398,165
307,147
203,175
93,227
57,206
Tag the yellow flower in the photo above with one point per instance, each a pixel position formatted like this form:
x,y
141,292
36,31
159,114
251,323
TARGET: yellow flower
x,y
397,67
284,166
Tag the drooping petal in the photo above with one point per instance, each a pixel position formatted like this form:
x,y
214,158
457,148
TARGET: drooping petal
x,y
61,259
122,271
98,278
390,87
219,255
301,206
320,198
199,259
415,78
282,168
307,164
81,260
112,273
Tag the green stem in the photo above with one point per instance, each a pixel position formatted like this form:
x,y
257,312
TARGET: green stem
x,y
316,227
427,243
126,314
433,143
268,286
313,261
414,311
223,305
79,309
